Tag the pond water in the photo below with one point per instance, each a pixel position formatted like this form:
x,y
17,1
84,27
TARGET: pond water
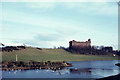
x,y
85,69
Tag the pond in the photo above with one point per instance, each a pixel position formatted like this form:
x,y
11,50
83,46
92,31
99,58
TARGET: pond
x,y
85,69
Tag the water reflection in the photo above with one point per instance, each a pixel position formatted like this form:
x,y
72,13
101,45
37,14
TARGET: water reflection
x,y
96,68
81,69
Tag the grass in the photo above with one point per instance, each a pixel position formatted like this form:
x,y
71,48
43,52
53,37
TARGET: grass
x,y
50,54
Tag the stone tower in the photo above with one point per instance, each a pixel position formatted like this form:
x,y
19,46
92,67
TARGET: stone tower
x,y
74,43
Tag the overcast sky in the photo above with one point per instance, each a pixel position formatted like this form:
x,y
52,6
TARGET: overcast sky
x,y
49,24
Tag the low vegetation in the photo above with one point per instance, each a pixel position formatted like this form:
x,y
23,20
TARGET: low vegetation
x,y
16,65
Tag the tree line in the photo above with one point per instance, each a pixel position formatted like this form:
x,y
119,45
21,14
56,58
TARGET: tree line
x,y
93,50
11,48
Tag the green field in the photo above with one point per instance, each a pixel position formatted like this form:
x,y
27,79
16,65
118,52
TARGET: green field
x,y
50,54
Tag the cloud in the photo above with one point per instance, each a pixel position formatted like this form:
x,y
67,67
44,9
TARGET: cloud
x,y
59,23
12,43
59,0
43,22
41,5
39,43
47,37
94,8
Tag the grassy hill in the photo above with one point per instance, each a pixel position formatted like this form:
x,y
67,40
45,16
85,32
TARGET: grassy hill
x,y
50,54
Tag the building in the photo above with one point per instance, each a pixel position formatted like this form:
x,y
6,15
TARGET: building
x,y
74,43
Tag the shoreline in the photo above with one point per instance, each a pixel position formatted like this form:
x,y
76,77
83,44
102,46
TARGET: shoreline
x,y
75,69
114,77
40,65
20,65
94,60
85,60
80,60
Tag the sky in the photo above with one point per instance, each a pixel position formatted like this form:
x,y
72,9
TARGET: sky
x,y
50,24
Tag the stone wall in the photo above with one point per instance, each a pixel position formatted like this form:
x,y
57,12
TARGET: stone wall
x,y
80,44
